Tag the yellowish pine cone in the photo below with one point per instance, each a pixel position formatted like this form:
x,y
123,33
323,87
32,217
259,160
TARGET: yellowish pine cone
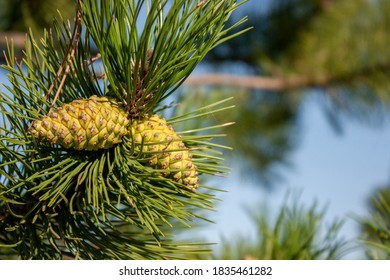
x,y
84,124
164,150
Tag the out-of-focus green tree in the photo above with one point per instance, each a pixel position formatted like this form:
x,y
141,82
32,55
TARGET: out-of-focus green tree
x,y
315,43
375,229
335,50
20,15
17,17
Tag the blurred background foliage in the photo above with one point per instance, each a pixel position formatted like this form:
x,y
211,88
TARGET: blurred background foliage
x,y
337,51
375,228
20,15
296,232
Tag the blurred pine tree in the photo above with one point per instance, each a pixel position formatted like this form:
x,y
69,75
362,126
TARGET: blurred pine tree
x,y
296,232
334,50
375,228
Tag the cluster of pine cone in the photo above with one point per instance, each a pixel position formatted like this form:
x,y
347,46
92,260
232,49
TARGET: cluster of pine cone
x,y
101,122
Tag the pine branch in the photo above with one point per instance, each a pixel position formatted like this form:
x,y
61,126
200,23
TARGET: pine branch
x,y
62,198
68,56
155,65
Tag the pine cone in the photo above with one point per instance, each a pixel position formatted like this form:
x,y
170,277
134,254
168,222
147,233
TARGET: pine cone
x,y
164,150
84,124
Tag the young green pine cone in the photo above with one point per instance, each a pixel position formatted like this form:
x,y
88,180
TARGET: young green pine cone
x,y
84,124
165,150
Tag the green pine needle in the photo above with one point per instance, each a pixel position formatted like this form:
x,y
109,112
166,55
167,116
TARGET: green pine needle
x,y
60,203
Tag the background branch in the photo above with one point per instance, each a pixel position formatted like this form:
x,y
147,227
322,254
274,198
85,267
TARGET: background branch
x,y
248,82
